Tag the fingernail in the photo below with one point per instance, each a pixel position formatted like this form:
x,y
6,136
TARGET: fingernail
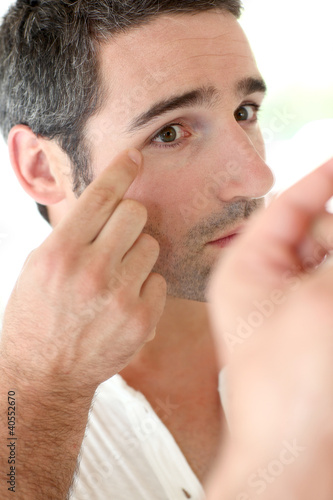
x,y
135,156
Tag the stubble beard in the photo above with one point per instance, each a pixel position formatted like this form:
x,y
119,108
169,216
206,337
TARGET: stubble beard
x,y
185,264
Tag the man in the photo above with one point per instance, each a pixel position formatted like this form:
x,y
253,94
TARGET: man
x,y
80,85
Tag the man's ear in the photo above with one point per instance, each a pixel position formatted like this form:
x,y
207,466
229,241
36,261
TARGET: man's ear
x,y
33,166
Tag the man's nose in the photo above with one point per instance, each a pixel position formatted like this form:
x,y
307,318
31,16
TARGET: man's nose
x,y
245,172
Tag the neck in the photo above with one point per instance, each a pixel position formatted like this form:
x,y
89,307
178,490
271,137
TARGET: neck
x,y
182,334
183,324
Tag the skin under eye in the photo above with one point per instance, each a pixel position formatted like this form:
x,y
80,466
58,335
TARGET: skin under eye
x,y
247,113
169,136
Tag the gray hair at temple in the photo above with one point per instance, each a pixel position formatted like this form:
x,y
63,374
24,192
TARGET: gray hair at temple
x,y
49,73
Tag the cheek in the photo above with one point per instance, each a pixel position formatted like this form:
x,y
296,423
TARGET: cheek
x,y
165,194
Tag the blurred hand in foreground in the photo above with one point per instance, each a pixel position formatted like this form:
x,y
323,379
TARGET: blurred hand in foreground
x,y
272,311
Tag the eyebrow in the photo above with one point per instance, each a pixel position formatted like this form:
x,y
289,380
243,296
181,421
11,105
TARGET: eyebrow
x,y
202,96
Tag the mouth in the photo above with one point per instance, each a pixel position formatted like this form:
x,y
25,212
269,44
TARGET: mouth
x,y
224,241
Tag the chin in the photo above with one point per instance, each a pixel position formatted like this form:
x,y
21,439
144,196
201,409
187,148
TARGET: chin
x,y
194,295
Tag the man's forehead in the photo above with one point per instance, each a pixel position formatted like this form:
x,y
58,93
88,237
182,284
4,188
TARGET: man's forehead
x,y
164,44
171,55
171,29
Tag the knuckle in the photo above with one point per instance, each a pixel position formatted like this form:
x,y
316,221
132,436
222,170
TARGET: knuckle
x,y
121,302
102,195
89,282
135,208
120,278
51,257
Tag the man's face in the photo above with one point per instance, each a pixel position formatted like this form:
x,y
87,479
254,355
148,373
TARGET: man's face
x,y
184,90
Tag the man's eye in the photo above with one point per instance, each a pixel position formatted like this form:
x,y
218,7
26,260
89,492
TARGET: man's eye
x,y
169,134
248,112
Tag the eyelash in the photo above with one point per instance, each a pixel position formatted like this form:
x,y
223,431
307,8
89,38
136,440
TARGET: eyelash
x,y
255,106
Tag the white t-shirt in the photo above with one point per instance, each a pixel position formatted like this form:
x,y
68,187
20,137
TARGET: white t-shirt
x,y
129,454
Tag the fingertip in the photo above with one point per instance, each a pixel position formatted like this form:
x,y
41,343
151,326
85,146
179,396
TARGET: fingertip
x,y
135,156
156,288
151,336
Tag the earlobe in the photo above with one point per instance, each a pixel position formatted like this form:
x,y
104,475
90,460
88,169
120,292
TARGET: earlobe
x,y
33,167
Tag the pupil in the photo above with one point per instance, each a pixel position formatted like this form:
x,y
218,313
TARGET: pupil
x,y
242,114
169,135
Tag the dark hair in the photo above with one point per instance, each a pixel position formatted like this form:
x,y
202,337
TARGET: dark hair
x,y
49,75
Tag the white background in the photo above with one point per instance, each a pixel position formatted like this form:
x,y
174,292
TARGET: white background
x,y
293,43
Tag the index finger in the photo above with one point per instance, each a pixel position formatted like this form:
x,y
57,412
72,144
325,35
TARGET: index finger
x,y
290,215
100,199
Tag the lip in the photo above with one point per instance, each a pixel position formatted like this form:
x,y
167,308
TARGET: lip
x,y
228,238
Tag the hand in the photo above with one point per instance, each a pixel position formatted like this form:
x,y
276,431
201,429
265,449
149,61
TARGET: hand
x,y
86,301
272,312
